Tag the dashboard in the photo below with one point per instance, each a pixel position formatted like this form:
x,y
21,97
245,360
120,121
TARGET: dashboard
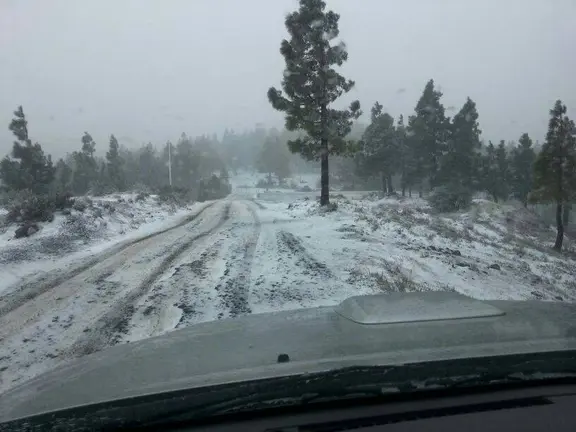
x,y
550,408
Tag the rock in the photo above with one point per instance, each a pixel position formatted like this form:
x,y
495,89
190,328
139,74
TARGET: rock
x,y
456,252
494,266
537,294
559,298
66,212
32,229
283,358
26,230
536,279
462,264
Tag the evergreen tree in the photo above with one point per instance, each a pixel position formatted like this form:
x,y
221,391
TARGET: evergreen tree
x,y
88,145
555,167
502,175
63,176
428,130
85,171
311,86
523,157
185,164
405,156
114,169
150,168
489,179
494,174
274,160
380,150
459,164
29,168
130,166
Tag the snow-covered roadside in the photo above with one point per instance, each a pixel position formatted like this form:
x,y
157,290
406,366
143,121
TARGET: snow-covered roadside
x,y
69,239
491,251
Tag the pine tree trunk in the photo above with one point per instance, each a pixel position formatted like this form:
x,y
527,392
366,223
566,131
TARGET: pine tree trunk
x,y
420,190
324,176
390,185
383,182
410,191
324,169
403,190
559,227
566,215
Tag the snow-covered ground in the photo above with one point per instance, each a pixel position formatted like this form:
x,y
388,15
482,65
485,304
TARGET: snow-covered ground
x,y
104,222
259,251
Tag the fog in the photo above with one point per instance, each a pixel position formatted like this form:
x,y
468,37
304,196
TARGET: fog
x,y
147,70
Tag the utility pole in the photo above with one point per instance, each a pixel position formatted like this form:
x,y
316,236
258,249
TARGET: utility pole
x,y
170,163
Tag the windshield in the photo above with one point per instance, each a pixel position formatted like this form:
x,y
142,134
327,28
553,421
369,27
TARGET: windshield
x,y
167,165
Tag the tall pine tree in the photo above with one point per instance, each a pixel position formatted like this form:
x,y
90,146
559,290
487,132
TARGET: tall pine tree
x,y
502,174
428,130
63,176
380,151
555,167
522,168
311,85
29,168
114,162
459,164
406,156
85,171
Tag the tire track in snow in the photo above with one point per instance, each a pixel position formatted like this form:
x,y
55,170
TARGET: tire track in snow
x,y
39,285
291,277
185,296
310,265
105,331
234,287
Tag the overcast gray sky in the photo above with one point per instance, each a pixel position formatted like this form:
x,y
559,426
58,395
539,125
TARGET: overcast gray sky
x,y
147,70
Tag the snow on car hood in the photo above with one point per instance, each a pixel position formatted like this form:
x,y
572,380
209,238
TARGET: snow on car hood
x,y
314,340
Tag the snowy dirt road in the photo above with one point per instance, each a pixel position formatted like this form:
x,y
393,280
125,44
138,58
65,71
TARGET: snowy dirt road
x,y
231,257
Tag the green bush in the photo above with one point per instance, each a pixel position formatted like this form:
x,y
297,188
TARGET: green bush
x,y
81,204
100,188
450,198
26,206
213,188
175,195
63,200
142,196
262,183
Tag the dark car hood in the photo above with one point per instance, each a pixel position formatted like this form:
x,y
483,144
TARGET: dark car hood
x,y
370,330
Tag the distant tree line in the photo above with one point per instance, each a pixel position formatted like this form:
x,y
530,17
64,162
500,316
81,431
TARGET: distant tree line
x,y
82,172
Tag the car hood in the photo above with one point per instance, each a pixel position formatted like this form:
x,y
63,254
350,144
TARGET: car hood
x,y
390,329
